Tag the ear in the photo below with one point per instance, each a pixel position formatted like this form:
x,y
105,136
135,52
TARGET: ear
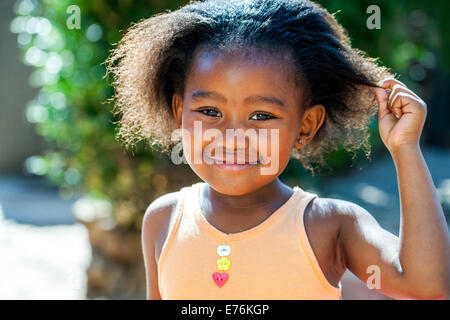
x,y
177,108
312,120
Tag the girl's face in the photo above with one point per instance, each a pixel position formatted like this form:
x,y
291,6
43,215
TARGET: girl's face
x,y
236,91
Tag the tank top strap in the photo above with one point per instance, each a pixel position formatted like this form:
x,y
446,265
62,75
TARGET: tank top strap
x,y
299,222
304,200
298,204
174,224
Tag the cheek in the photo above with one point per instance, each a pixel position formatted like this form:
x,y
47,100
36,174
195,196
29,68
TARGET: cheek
x,y
286,141
276,148
193,143
197,135
276,140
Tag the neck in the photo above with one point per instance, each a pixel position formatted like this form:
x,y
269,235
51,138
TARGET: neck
x,y
266,196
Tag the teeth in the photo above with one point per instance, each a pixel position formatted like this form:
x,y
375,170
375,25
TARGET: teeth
x,y
220,161
223,162
235,164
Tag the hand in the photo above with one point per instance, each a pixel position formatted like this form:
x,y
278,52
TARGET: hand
x,y
401,114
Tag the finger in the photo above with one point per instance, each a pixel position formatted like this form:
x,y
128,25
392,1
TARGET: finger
x,y
384,114
382,98
394,85
399,88
388,83
401,103
391,84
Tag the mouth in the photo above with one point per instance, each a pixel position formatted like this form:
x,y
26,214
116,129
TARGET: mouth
x,y
232,166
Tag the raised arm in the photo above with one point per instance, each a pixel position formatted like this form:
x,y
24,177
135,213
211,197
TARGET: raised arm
x,y
400,267
417,264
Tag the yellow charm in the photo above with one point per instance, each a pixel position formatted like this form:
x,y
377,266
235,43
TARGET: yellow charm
x,y
223,264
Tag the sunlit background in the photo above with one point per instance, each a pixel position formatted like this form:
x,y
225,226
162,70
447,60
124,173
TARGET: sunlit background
x,y
72,198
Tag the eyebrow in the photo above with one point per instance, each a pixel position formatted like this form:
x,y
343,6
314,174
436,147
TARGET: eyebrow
x,y
198,94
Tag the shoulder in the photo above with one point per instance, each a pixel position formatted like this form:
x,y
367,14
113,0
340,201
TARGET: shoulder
x,y
322,217
342,210
157,215
330,222
323,221
344,219
336,213
160,212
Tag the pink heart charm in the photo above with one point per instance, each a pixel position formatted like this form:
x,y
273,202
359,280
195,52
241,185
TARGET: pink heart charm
x,y
220,278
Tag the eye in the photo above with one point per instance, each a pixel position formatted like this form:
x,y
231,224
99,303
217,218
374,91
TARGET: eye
x,y
210,112
262,116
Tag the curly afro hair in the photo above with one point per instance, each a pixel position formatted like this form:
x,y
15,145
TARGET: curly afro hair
x,y
151,62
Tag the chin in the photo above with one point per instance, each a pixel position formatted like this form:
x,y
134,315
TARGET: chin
x,y
232,190
236,186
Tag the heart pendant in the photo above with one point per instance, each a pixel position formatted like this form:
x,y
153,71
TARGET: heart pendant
x,y
220,278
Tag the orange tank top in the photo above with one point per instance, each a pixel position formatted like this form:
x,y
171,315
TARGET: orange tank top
x,y
271,261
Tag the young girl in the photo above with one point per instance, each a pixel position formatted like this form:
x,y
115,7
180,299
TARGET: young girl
x,y
286,66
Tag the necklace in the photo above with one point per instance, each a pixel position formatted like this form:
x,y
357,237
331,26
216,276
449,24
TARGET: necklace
x,y
223,264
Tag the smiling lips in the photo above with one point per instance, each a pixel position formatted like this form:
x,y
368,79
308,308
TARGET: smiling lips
x,y
233,166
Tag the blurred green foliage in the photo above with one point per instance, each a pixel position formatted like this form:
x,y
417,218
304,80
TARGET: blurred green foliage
x,y
413,41
69,110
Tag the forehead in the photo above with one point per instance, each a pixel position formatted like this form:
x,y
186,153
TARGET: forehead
x,y
245,71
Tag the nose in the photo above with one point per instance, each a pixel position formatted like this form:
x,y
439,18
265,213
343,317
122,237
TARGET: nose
x,y
237,146
232,142
235,139
233,133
